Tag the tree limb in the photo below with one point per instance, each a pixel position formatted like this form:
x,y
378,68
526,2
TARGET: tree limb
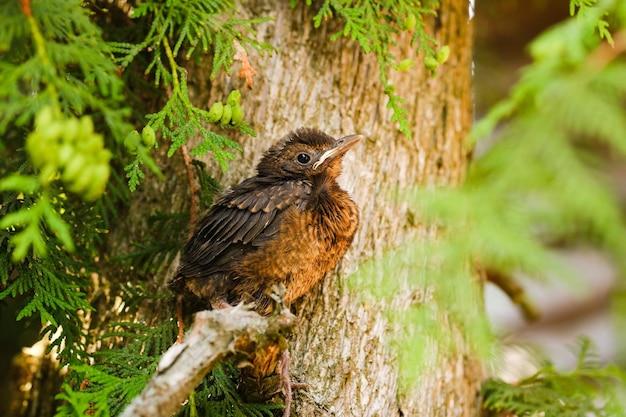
x,y
213,337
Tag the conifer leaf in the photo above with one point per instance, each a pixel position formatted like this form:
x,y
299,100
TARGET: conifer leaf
x,y
58,226
20,183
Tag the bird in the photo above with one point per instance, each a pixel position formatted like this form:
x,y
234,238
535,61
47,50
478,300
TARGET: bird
x,y
287,225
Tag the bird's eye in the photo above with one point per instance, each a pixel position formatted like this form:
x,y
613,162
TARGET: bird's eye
x,y
303,158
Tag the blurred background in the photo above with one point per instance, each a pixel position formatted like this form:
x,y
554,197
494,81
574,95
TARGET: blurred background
x,y
570,307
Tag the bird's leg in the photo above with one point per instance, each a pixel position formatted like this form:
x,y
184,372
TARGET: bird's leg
x,y
179,319
286,386
220,304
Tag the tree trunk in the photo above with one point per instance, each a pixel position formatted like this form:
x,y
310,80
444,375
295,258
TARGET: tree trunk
x,y
342,349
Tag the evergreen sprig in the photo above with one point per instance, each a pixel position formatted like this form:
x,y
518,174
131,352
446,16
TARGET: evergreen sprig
x,y
189,24
54,289
217,396
179,120
119,374
55,66
110,395
589,389
179,28
158,247
58,56
375,26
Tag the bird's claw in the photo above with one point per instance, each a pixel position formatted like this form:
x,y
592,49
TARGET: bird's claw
x,y
286,386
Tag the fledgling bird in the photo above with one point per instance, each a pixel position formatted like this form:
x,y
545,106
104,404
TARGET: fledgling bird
x,y
289,224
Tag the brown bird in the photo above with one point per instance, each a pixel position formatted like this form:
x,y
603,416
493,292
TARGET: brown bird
x,y
289,224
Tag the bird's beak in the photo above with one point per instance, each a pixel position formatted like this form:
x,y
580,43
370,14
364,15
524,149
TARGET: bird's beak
x,y
341,146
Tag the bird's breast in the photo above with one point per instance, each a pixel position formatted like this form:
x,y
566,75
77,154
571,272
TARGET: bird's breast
x,y
310,241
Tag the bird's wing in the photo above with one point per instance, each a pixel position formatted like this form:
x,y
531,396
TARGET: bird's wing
x,y
246,216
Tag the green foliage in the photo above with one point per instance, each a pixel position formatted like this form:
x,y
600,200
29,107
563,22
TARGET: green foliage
x,y
119,374
187,24
159,247
64,95
55,65
541,180
217,396
375,26
589,389
180,120
28,218
538,182
586,10
59,57
53,287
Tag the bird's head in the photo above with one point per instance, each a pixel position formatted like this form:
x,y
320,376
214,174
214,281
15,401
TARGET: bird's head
x,y
306,153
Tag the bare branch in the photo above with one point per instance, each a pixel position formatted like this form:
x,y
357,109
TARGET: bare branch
x,y
212,338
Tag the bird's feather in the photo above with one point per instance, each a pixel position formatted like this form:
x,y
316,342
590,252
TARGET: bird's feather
x,y
246,216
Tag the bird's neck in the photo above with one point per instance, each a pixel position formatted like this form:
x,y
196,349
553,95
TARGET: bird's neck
x,y
336,215
324,183
327,195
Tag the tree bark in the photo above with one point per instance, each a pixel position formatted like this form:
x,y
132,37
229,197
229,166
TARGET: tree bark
x,y
342,349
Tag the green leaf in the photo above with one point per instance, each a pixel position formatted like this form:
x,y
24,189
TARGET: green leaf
x,y
19,183
22,241
19,218
58,226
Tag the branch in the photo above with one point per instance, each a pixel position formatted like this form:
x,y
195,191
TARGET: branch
x,y
509,285
212,338
193,190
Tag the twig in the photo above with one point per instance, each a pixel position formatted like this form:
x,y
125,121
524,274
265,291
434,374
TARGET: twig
x,y
176,89
607,53
193,190
173,64
212,338
514,291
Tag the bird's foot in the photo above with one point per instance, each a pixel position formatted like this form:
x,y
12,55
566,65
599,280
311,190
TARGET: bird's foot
x,y
286,385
